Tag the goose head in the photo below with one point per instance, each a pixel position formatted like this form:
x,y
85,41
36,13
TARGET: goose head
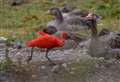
x,y
56,13
91,21
50,30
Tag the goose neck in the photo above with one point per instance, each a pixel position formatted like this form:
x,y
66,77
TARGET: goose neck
x,y
94,28
59,17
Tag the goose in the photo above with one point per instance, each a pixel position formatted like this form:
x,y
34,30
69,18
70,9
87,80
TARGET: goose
x,y
96,47
68,11
113,38
76,12
71,24
99,46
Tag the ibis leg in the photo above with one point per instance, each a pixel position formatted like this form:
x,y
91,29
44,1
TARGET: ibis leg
x,y
46,55
31,55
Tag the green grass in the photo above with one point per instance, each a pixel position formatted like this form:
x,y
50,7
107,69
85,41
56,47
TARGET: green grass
x,y
22,20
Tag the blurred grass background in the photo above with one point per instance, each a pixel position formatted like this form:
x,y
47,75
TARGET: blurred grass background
x,y
21,21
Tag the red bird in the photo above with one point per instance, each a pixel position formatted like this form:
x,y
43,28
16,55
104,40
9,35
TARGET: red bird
x,y
48,42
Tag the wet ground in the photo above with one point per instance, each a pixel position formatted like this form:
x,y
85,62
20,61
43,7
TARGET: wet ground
x,y
107,72
40,70
73,65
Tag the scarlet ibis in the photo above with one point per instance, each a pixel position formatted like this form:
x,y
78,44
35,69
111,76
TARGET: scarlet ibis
x,y
72,39
48,42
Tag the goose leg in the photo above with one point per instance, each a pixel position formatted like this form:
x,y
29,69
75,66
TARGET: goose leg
x,y
31,55
46,55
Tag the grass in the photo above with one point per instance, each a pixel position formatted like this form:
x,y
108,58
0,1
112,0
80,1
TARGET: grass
x,y
22,20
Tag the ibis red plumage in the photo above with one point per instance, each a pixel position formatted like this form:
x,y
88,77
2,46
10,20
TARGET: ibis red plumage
x,y
48,42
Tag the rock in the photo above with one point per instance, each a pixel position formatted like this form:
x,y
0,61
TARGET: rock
x,y
43,67
34,76
73,68
64,65
54,68
78,60
3,38
101,58
69,63
71,72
